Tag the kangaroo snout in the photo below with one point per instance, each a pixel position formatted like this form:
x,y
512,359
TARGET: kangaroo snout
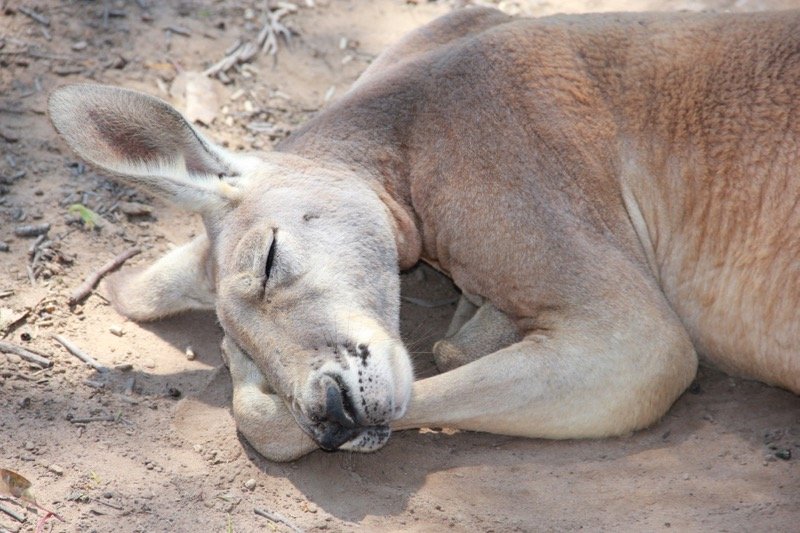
x,y
335,420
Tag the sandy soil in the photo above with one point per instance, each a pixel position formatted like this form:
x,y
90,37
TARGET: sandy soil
x,y
717,462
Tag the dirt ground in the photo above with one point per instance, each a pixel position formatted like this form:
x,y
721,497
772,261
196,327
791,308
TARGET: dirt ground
x,y
151,446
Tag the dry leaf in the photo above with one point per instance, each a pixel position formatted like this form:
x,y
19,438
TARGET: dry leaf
x,y
199,95
9,317
15,485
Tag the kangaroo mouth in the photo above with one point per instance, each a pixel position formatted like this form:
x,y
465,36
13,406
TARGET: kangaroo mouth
x,y
331,435
336,424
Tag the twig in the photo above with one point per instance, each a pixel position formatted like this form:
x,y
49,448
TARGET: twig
x,y
91,282
31,357
31,276
80,354
41,19
179,30
88,419
277,518
267,41
31,230
12,513
108,504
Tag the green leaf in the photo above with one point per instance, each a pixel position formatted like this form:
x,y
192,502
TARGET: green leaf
x,y
90,218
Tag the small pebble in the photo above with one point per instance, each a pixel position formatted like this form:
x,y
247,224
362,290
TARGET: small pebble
x,y
250,484
29,446
4,246
190,355
784,454
135,208
116,330
80,45
56,469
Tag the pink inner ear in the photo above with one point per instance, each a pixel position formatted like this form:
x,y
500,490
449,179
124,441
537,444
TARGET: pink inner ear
x,y
125,139
140,129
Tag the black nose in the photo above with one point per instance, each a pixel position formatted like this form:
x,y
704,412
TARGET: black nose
x,y
339,421
338,407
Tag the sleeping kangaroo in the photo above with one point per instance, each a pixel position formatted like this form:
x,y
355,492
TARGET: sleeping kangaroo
x,y
612,193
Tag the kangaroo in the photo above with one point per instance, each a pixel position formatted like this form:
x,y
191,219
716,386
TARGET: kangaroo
x,y
613,194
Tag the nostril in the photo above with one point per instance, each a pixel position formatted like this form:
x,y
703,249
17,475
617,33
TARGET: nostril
x,y
338,408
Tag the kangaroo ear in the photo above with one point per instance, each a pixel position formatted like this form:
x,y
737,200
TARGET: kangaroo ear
x,y
146,141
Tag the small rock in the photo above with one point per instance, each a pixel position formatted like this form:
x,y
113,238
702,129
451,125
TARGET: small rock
x,y
80,45
135,208
4,246
124,367
250,484
116,330
685,477
13,358
190,355
784,454
29,446
56,469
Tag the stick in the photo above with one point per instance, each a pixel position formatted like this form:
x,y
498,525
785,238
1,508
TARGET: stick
x,y
88,419
80,354
267,41
91,282
277,518
12,513
31,357
31,230
41,19
179,30
31,275
108,504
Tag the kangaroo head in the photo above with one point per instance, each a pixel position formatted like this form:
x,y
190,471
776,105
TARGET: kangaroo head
x,y
301,260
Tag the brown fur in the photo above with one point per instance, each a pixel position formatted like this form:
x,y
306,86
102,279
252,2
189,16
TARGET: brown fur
x,y
544,123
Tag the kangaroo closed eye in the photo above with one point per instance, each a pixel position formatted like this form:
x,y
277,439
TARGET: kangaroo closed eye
x,y
270,258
